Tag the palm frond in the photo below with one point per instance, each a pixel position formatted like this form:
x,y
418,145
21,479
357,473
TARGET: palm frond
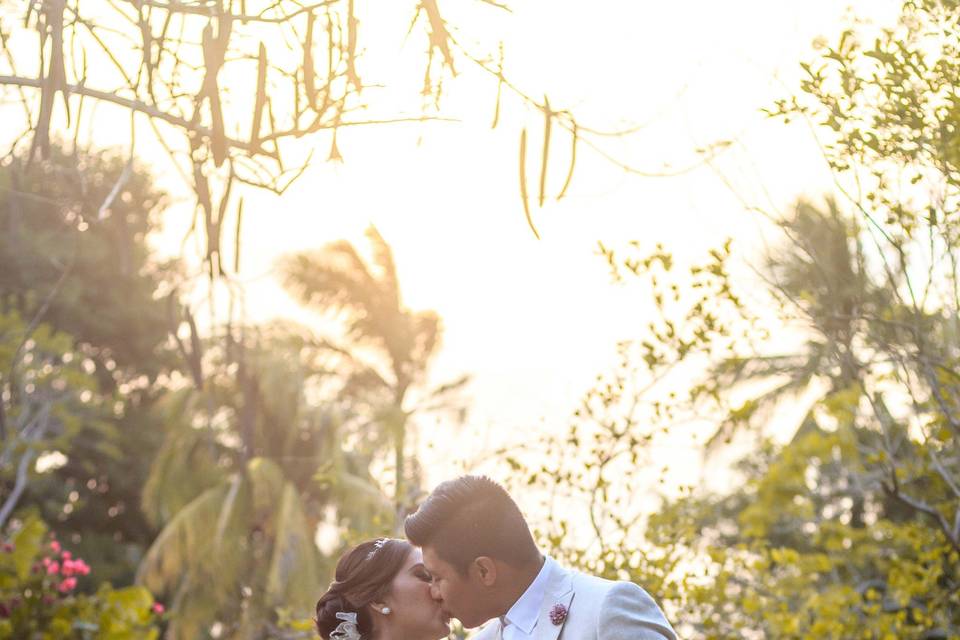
x,y
193,604
266,486
292,575
366,383
184,547
448,387
185,465
387,269
760,405
731,372
333,278
426,339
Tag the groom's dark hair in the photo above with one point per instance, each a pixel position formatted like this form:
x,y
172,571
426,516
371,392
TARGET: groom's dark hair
x,y
470,517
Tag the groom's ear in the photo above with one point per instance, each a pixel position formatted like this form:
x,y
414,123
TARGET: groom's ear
x,y
484,570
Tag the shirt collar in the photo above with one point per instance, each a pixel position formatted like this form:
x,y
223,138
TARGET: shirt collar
x,y
525,611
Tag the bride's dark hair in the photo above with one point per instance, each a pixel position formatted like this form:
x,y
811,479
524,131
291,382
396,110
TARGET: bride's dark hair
x,y
363,575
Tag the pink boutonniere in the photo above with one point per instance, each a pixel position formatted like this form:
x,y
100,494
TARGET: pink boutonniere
x,y
558,614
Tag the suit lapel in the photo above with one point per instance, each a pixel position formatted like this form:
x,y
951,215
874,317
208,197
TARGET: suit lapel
x,y
559,591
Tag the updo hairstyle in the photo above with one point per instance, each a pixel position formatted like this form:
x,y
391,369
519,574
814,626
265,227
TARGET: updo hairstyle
x,y
364,575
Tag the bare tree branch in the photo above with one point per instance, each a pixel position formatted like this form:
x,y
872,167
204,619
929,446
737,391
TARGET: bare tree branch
x,y
23,467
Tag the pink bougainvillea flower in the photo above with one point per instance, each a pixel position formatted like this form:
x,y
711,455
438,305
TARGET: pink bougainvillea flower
x,y
71,567
68,584
66,555
55,546
53,568
158,608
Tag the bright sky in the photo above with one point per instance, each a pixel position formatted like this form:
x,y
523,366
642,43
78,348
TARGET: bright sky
x,y
533,321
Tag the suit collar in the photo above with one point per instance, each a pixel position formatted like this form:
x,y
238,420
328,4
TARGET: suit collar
x,y
526,610
559,592
561,580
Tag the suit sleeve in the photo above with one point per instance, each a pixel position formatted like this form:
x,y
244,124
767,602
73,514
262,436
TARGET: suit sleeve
x,y
629,613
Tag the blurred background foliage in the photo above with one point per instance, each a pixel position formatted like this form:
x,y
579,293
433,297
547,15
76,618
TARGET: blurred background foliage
x,y
209,473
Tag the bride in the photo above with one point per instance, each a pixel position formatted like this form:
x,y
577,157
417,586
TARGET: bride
x,y
381,591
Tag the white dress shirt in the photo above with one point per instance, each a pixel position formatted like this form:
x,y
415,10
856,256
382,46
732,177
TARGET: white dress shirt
x,y
521,619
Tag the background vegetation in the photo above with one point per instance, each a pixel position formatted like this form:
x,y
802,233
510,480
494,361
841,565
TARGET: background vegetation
x,y
162,474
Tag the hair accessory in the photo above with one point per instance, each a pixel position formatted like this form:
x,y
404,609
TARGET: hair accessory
x,y
558,614
346,630
376,547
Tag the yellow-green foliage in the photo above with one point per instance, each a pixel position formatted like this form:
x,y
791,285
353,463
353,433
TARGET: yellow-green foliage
x,y
38,602
771,561
206,554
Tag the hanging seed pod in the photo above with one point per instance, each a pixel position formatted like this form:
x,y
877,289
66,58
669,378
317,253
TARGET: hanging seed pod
x,y
523,182
309,73
261,97
548,121
573,161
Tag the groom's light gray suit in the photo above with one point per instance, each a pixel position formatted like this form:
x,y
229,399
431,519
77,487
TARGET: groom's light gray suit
x,y
597,609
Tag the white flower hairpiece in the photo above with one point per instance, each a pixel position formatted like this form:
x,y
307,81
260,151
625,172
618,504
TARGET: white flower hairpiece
x,y
377,545
346,630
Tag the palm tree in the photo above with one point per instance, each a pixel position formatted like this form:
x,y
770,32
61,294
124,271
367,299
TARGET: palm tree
x,y
847,302
402,341
236,490
821,278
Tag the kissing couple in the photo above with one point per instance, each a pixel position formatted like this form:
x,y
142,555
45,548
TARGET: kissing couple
x,y
469,555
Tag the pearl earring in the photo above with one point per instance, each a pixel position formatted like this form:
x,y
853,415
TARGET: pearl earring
x,y
386,611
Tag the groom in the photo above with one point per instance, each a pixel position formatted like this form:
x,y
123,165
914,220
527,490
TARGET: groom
x,y
486,566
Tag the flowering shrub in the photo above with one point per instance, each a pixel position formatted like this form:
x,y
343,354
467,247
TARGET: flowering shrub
x,y
39,598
